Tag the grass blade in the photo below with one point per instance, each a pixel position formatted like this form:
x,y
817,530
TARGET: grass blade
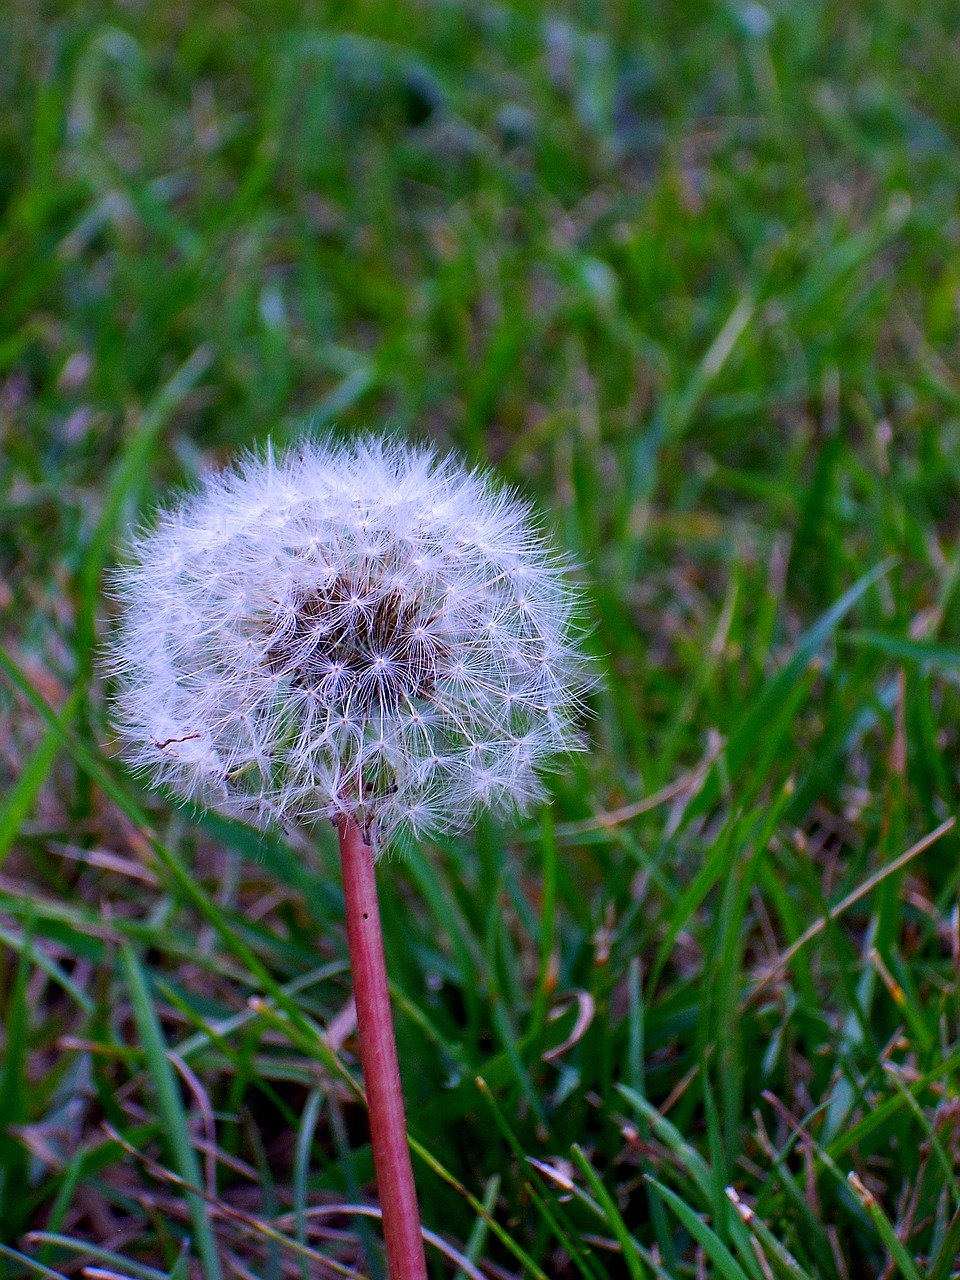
x,y
614,1217
171,1110
20,798
767,706
884,1227
718,1253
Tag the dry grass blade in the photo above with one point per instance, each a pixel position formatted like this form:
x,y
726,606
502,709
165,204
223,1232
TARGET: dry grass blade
x,y
372,1211
688,784
246,1221
845,904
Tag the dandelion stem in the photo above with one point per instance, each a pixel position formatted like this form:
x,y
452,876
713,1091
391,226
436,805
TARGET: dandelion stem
x,y
378,1055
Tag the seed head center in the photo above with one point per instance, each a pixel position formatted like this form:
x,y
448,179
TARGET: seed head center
x,y
359,643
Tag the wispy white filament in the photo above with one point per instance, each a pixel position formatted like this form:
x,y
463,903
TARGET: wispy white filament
x,y
360,629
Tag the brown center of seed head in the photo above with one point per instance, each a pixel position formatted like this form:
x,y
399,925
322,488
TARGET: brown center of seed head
x,y
353,641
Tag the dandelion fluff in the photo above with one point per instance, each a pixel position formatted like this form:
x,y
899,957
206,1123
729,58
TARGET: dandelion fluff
x,y
361,630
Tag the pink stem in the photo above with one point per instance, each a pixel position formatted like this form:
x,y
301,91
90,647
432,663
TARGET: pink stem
x,y
378,1054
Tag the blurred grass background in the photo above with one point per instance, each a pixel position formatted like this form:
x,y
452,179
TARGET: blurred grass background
x,y
689,275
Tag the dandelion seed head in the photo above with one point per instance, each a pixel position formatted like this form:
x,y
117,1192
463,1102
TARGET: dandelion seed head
x,y
362,629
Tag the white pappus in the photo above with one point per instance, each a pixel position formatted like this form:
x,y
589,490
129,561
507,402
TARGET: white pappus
x,y
362,629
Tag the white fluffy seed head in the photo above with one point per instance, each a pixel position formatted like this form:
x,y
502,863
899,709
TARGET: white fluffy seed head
x,y
358,629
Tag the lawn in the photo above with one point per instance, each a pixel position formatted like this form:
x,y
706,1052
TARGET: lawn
x,y
688,276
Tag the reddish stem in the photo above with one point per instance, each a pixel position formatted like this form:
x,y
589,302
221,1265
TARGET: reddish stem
x,y
378,1054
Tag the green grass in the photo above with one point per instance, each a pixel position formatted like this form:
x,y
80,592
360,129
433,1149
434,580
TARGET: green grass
x,y
689,275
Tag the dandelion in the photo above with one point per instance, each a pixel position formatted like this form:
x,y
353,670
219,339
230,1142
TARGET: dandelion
x,y
363,633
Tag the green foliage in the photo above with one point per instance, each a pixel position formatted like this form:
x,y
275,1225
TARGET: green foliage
x,y
688,275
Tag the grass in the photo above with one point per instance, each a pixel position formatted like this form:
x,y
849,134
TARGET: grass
x,y
688,275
